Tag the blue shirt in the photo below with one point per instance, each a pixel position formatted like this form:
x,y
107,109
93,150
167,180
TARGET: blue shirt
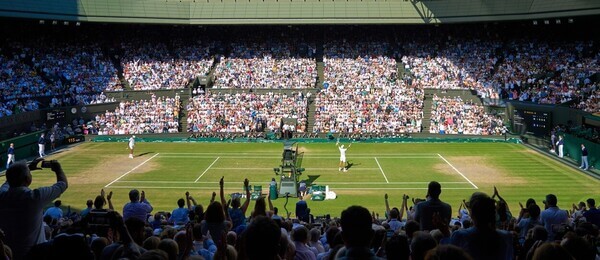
x,y
472,241
21,215
395,224
301,210
137,210
85,212
42,140
180,216
54,212
553,216
11,150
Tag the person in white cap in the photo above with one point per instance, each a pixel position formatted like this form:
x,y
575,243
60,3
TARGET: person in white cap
x,y
342,165
131,146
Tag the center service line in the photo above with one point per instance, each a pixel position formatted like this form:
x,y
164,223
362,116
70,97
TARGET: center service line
x,y
117,179
386,180
207,169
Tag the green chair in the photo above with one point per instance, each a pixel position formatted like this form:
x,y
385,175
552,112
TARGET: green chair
x,y
256,192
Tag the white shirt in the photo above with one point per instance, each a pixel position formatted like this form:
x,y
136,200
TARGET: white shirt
x,y
131,141
343,152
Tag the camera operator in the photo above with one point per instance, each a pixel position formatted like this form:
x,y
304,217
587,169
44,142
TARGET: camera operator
x,y
21,208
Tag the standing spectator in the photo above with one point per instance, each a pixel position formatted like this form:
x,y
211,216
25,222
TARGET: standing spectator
x,y
559,144
592,215
552,217
584,158
357,233
483,240
11,155
302,209
433,204
138,208
261,239
21,207
55,212
52,141
42,145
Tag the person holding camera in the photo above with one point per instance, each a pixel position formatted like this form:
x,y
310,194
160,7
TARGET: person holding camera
x,y
21,207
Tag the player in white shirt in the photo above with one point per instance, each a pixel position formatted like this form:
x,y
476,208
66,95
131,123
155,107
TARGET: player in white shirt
x,y
131,146
342,166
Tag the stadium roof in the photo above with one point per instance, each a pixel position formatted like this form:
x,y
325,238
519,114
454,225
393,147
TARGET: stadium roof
x,y
295,11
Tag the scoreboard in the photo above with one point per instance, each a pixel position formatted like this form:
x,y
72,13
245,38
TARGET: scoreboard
x,y
532,122
55,114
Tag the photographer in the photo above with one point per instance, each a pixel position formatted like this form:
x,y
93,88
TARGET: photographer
x,y
21,208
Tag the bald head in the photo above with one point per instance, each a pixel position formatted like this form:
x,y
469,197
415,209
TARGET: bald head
x,y
18,175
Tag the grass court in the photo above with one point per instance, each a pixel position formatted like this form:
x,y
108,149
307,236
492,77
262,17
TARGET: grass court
x,y
165,171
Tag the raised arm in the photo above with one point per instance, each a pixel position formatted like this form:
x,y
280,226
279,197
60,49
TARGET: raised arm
x,y
187,200
247,202
404,199
269,201
109,200
222,192
387,206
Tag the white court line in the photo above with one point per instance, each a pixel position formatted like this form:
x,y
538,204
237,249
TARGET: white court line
x,y
386,179
305,157
214,188
308,169
318,183
442,157
207,169
274,153
138,166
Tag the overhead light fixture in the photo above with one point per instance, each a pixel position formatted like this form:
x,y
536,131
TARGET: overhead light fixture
x,y
571,20
535,22
558,21
77,24
546,22
54,22
42,22
65,23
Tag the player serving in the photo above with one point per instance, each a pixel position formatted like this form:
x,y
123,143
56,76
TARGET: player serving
x,y
131,146
343,164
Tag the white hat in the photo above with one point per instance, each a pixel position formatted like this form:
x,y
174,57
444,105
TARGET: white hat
x,y
342,146
134,136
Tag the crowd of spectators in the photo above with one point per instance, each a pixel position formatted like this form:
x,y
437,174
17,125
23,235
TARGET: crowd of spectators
x,y
458,64
151,65
483,227
363,94
452,115
246,112
81,67
154,115
20,85
267,65
546,72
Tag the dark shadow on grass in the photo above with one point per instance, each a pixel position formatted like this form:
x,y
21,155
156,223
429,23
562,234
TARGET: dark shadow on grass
x,y
311,179
142,154
350,164
299,158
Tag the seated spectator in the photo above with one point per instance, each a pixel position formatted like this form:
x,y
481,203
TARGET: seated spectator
x,y
55,212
